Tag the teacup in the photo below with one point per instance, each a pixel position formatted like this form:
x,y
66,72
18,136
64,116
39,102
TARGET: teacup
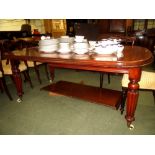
x,y
79,38
92,44
120,48
64,45
120,51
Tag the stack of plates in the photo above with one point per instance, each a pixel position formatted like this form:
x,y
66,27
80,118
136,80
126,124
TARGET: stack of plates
x,y
48,45
64,48
81,47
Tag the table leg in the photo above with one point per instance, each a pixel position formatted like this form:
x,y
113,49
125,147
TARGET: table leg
x,y
132,94
17,78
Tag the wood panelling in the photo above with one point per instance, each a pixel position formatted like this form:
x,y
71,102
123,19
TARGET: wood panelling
x,y
117,25
103,25
56,27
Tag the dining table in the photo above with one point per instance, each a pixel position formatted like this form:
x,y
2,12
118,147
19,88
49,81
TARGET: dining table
x,y
131,63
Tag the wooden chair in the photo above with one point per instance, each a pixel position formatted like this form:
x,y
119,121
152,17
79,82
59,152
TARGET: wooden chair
x,y
147,82
6,65
27,43
3,85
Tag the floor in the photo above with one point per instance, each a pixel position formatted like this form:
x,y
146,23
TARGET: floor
x,y
42,114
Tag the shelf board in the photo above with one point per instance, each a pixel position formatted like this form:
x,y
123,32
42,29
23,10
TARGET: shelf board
x,y
93,94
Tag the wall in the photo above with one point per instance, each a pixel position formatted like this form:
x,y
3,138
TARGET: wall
x,y
38,24
11,24
15,24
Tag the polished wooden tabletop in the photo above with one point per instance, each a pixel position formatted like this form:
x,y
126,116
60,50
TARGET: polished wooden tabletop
x,y
134,56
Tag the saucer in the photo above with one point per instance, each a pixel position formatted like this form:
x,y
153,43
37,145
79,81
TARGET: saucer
x,y
81,56
64,56
64,51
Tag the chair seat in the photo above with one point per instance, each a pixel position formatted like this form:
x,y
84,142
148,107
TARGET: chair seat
x,y
7,67
147,80
31,63
0,74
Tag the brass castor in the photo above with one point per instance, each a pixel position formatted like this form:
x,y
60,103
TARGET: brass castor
x,y
19,100
131,127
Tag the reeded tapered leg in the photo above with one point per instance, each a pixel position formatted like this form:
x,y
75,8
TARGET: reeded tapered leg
x,y
17,78
132,94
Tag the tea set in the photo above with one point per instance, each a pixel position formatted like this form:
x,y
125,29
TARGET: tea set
x,y
79,45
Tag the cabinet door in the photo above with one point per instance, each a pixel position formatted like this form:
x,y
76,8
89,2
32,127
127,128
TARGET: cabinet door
x,y
117,25
57,27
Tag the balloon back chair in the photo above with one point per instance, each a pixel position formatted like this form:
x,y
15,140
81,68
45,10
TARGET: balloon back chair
x,y
7,67
28,43
3,85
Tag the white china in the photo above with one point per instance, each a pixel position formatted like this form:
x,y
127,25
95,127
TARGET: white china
x,y
120,51
48,42
64,51
79,38
48,37
80,51
80,45
80,48
48,48
120,48
105,50
109,49
43,37
48,45
92,44
64,48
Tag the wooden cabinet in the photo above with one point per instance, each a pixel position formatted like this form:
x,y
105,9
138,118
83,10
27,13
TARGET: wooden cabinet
x,y
117,25
55,27
103,25
123,26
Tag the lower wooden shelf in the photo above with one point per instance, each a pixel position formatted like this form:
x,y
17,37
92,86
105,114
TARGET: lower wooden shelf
x,y
103,96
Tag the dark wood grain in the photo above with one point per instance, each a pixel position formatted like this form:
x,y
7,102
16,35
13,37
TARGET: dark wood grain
x,y
85,92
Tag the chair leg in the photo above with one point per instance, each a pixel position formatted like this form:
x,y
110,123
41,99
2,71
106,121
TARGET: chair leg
x,y
27,76
46,71
12,79
108,78
1,86
153,91
101,80
6,88
123,100
37,73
